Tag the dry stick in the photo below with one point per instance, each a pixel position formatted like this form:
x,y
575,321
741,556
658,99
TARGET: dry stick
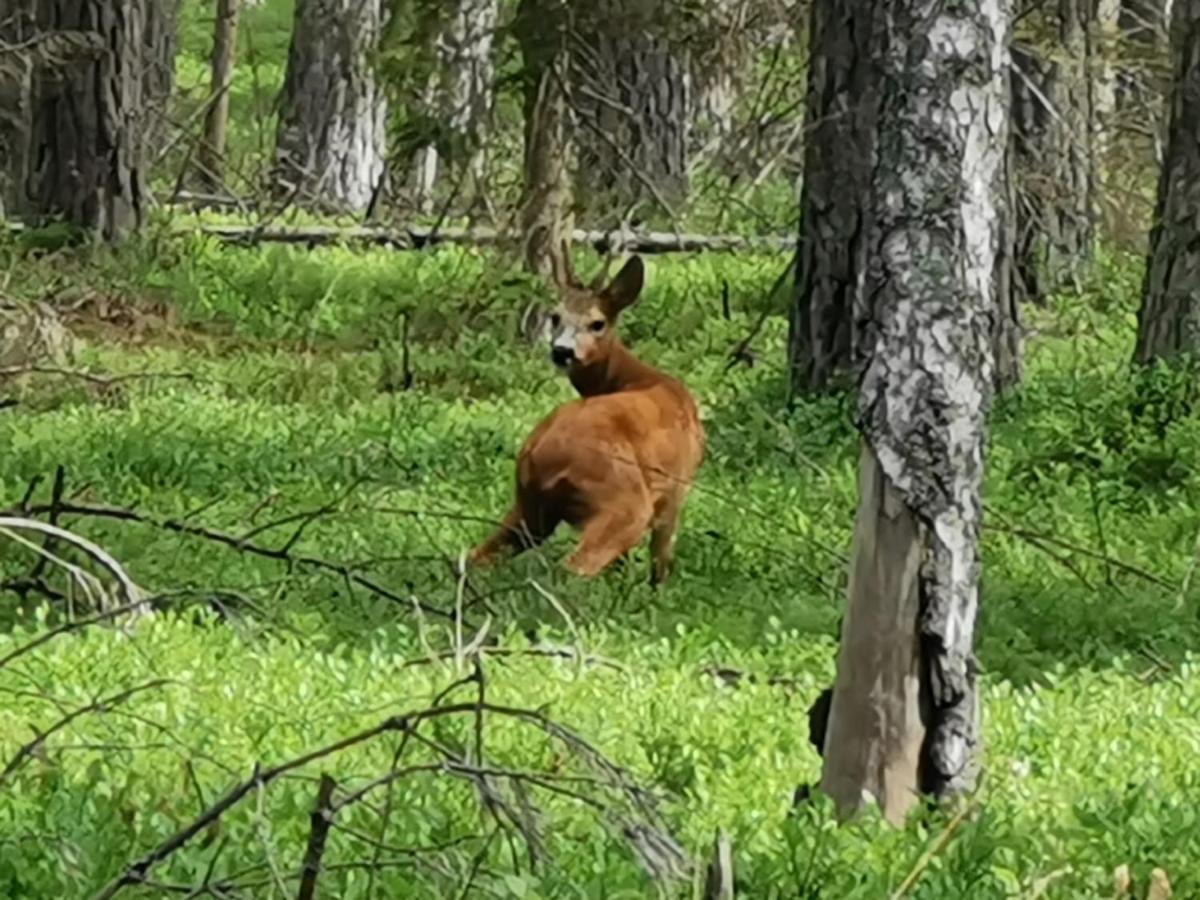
x,y
229,540
93,377
1035,536
322,818
98,706
929,855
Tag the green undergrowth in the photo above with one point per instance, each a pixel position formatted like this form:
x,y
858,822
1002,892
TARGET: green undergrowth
x,y
270,383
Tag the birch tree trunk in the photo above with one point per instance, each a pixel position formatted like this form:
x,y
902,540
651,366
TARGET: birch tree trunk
x,y
547,219
834,209
82,86
1169,319
331,143
632,95
210,156
904,716
461,94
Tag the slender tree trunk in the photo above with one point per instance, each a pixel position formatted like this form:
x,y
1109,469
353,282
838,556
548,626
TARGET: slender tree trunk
x,y
1169,319
547,219
80,147
633,97
461,94
210,156
331,143
161,46
904,713
1071,251
839,155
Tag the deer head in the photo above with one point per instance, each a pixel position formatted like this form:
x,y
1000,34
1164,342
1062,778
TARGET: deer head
x,y
583,324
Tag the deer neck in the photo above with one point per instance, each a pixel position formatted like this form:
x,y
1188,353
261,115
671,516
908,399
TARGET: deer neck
x,y
620,370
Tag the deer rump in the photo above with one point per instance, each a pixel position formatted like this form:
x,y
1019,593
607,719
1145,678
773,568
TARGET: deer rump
x,y
617,456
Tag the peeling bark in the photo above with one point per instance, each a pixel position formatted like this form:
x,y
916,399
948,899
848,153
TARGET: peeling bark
x,y
633,97
838,155
906,672
1169,318
547,222
331,142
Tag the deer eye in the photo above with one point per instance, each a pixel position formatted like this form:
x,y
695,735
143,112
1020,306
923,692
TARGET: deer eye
x,y
597,326
555,319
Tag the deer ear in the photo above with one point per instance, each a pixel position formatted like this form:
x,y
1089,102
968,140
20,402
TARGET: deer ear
x,y
561,268
624,289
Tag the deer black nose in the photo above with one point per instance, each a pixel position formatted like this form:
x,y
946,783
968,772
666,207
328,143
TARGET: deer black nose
x,y
562,356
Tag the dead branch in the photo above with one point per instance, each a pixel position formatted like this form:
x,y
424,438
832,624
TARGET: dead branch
x,y
656,849
98,706
129,590
322,819
95,378
235,542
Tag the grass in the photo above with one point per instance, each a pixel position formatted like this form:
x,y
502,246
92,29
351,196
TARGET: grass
x,y
1092,703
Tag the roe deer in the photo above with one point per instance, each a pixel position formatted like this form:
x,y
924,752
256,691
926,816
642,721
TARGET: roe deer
x,y
618,461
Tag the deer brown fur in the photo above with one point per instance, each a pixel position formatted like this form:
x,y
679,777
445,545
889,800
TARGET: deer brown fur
x,y
615,463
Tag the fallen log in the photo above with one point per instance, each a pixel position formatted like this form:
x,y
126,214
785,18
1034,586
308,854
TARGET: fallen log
x,y
417,238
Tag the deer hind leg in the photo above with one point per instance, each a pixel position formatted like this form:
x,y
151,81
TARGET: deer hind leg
x,y
662,545
524,527
606,537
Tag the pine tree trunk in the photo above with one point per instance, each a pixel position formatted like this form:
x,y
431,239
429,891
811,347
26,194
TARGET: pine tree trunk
x,y
546,198
1169,319
839,154
1055,166
80,138
210,156
632,94
904,713
331,142
461,94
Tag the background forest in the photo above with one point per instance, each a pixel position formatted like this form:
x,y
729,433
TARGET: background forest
x,y
271,299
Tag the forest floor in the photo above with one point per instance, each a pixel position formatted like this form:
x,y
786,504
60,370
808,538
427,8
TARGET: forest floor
x,y
269,400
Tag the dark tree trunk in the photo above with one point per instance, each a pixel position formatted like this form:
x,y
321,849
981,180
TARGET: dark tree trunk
x,y
1054,130
547,221
839,154
78,142
210,156
1073,237
904,713
330,146
1169,319
632,94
